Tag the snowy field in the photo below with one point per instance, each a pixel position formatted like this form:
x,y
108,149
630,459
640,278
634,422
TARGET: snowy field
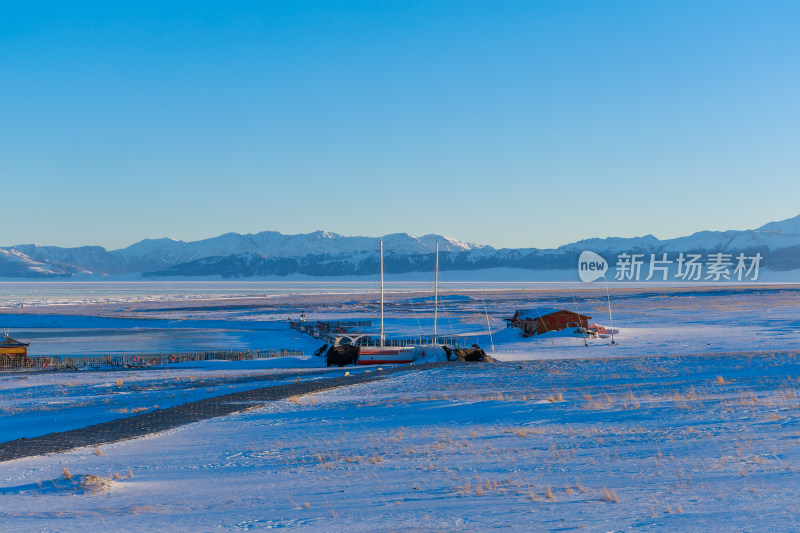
x,y
35,403
691,444
689,423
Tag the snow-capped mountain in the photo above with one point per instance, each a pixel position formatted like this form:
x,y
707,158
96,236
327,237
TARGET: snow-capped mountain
x,y
790,226
272,244
323,253
701,241
15,264
155,255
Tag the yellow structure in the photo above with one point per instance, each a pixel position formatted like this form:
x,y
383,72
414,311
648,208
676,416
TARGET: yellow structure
x,y
12,350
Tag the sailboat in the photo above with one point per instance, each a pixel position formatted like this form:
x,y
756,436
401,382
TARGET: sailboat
x,y
382,354
359,349
434,351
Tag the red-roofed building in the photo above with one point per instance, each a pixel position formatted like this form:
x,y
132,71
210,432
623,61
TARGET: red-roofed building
x,y
538,320
12,352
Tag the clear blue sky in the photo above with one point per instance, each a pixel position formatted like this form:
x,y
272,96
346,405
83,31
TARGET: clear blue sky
x,y
514,124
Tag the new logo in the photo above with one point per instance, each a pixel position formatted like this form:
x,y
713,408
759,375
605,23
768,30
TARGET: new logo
x,y
591,266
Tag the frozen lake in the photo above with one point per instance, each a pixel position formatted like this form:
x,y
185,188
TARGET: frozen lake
x,y
37,293
652,320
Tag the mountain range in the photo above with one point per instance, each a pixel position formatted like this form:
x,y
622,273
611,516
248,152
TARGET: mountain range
x,y
325,254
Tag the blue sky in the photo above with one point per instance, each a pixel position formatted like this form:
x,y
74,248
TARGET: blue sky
x,y
507,123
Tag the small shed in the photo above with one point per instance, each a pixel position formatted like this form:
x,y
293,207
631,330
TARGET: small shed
x,y
12,351
538,320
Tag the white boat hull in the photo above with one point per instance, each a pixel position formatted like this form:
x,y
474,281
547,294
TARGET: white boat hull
x,y
387,355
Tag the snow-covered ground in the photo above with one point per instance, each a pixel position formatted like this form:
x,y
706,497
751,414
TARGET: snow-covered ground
x,y
35,403
678,443
689,423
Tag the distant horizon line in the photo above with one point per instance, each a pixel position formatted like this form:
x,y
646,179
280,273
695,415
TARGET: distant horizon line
x,y
322,231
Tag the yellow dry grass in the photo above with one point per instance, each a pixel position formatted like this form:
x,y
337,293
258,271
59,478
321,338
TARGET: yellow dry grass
x,y
557,397
94,483
609,496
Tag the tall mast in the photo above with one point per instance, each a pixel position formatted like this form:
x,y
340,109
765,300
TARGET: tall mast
x,y
436,293
610,318
382,337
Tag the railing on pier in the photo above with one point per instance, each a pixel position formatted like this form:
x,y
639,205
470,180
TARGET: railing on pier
x,y
439,340
329,326
137,360
338,328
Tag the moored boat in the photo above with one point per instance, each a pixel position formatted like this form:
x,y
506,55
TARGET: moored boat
x,y
366,350
386,355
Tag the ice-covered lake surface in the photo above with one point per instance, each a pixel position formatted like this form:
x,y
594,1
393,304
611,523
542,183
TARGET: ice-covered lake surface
x,y
690,422
37,293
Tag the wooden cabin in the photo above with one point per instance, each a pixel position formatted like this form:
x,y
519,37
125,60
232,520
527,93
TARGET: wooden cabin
x,y
540,320
13,352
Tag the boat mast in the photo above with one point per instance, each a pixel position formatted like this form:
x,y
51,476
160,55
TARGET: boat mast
x,y
436,293
610,318
382,337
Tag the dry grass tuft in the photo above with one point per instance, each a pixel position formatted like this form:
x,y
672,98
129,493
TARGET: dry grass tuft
x,y
609,496
720,380
558,397
98,451
750,399
67,474
94,483
549,493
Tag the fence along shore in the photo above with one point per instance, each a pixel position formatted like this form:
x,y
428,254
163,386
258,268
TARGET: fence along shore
x,y
140,360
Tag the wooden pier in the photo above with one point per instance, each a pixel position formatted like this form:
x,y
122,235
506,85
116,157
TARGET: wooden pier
x,y
328,330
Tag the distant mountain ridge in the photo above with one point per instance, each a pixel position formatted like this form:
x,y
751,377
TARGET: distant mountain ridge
x,y
322,253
